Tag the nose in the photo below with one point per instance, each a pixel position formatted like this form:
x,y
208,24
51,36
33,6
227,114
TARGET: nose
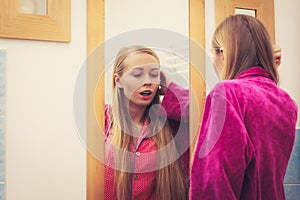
x,y
147,80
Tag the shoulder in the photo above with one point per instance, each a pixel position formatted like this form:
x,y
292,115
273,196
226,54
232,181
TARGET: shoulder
x,y
176,88
229,93
227,88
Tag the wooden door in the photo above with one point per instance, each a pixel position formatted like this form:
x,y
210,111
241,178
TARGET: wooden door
x,y
263,9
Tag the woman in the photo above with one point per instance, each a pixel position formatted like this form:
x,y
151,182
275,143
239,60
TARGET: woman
x,y
248,127
141,162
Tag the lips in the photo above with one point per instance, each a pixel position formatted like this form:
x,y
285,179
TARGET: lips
x,y
146,93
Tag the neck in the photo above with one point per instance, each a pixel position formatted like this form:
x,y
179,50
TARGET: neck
x,y
137,114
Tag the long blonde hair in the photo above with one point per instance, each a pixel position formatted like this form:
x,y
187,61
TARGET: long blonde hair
x,y
247,43
170,182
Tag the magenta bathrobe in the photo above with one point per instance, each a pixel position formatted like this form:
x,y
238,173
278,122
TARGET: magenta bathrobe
x,y
245,142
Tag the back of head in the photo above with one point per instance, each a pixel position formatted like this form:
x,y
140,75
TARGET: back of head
x,y
246,43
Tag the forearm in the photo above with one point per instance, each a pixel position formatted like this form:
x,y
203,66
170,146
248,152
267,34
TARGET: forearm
x,y
176,102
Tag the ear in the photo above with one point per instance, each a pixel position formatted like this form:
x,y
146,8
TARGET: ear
x,y
117,80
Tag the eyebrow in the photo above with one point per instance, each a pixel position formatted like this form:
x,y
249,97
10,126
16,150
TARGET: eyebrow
x,y
141,68
137,68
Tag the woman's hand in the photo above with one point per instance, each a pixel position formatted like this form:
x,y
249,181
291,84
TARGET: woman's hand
x,y
277,54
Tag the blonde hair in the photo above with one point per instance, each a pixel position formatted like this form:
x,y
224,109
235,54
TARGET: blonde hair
x,y
170,182
246,43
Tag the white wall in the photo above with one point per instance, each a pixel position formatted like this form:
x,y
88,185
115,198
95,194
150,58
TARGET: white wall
x,y
287,27
44,156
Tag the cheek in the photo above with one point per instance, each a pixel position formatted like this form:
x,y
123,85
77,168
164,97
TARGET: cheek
x,y
157,81
129,88
218,64
156,86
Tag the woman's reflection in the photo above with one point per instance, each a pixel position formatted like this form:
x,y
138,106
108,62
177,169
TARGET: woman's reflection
x,y
140,130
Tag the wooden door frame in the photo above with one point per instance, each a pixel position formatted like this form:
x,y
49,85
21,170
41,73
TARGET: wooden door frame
x,y
95,36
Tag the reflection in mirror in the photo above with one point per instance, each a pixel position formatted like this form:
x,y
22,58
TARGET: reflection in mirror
x,y
36,7
147,141
151,14
245,11
175,66
153,134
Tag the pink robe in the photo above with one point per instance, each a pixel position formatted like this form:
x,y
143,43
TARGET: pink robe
x,y
245,141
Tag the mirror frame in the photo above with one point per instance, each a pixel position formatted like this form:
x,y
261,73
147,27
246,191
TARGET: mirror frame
x,y
95,90
55,26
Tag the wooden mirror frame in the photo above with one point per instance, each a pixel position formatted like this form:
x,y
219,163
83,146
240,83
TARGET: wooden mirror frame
x,y
55,26
95,36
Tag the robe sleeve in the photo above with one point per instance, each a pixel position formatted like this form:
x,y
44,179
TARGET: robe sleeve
x,y
176,103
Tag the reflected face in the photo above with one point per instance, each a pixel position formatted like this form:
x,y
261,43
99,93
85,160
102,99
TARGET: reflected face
x,y
140,79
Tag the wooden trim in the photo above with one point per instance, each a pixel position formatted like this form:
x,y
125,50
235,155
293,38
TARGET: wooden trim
x,y
55,26
264,12
95,99
95,30
197,68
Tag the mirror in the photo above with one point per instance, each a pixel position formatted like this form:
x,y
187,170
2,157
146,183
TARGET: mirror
x,y
35,7
151,15
175,64
112,21
36,19
145,23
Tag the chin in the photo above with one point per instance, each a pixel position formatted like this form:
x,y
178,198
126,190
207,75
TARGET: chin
x,y
145,103
140,103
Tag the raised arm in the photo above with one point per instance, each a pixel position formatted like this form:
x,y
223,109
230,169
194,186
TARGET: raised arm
x,y
176,102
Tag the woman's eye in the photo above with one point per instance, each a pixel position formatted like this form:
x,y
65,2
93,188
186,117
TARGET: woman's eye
x,y
154,75
137,75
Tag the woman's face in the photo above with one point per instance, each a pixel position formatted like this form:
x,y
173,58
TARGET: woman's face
x,y
140,79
